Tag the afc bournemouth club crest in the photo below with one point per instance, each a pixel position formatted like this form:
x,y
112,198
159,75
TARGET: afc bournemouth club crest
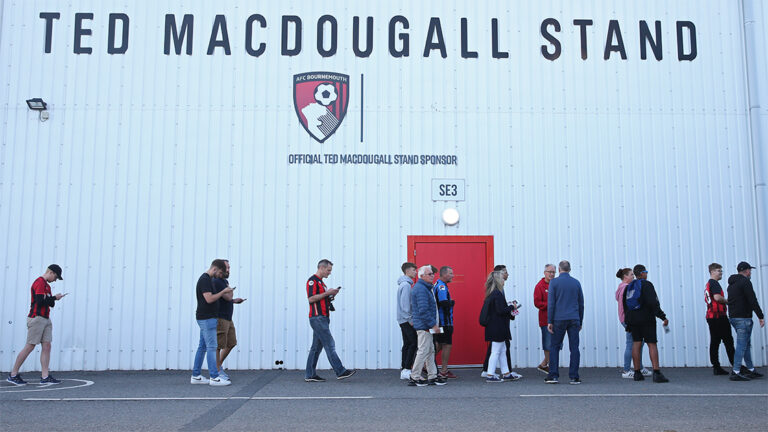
x,y
320,99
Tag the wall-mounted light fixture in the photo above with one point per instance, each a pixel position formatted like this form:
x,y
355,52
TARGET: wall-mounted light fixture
x,y
450,216
39,105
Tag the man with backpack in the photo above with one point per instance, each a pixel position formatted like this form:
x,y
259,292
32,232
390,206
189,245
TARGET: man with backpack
x,y
641,307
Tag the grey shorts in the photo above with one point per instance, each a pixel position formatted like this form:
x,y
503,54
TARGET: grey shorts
x,y
39,330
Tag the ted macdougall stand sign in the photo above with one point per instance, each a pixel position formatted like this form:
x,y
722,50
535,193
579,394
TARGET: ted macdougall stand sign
x,y
178,36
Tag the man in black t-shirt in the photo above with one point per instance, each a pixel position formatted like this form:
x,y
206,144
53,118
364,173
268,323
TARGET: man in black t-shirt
x,y
206,314
642,323
226,337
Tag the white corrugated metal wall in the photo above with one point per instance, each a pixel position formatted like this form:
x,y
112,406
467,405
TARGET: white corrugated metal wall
x,y
151,165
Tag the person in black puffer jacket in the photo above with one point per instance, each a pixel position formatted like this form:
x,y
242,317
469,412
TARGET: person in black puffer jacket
x,y
497,328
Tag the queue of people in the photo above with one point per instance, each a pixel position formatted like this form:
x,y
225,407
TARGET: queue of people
x,y
560,304
425,317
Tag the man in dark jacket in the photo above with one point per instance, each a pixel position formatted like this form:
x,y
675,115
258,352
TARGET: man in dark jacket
x,y
641,322
565,314
741,303
424,317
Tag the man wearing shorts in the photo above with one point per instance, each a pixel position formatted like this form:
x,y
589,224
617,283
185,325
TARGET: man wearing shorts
x,y
39,327
444,340
641,322
225,328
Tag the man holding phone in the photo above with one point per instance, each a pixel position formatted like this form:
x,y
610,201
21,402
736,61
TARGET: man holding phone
x,y
320,306
39,327
225,328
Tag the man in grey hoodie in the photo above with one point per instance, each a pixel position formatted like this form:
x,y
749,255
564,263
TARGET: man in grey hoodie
x,y
404,285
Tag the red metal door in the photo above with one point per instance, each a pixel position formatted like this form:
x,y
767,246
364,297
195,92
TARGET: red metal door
x,y
471,258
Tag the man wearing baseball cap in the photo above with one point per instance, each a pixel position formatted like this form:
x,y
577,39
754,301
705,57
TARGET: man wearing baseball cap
x,y
741,303
39,328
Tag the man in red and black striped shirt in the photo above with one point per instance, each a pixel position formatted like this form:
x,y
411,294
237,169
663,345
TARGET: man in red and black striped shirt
x,y
39,328
717,319
319,318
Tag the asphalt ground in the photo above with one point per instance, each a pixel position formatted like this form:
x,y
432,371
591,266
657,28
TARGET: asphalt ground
x,y
694,400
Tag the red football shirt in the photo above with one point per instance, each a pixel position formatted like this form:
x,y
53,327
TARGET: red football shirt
x,y
39,287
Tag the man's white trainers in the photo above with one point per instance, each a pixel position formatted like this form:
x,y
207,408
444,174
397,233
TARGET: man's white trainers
x,y
628,374
646,372
198,380
484,374
405,374
219,381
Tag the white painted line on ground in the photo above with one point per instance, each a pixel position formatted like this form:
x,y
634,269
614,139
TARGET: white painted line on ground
x,y
85,383
140,399
649,395
308,397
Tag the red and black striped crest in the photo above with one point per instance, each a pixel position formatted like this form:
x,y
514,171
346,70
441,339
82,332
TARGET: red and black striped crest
x,y
320,100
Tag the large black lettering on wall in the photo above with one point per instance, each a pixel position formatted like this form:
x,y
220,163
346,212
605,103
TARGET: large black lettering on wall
x,y
219,26
113,19
435,29
80,32
249,35
321,35
179,37
681,54
551,39
49,17
368,37
405,50
296,21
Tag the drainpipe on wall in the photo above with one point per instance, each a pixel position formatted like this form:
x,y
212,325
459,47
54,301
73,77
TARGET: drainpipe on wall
x,y
756,59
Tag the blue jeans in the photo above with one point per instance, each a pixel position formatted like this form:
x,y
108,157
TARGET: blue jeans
x,y
206,348
743,327
322,339
546,338
561,327
628,351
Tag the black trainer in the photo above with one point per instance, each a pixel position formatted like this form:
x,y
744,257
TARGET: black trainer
x,y
412,382
753,374
422,383
346,374
738,377
717,370
16,380
550,379
49,380
438,381
659,377
315,378
639,376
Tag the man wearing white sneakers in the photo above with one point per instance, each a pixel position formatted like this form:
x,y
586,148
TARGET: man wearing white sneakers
x,y
404,318
207,312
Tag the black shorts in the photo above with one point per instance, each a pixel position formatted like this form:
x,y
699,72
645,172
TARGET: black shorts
x,y
446,337
643,333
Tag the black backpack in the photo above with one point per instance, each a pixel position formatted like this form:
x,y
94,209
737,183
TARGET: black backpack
x,y
485,313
